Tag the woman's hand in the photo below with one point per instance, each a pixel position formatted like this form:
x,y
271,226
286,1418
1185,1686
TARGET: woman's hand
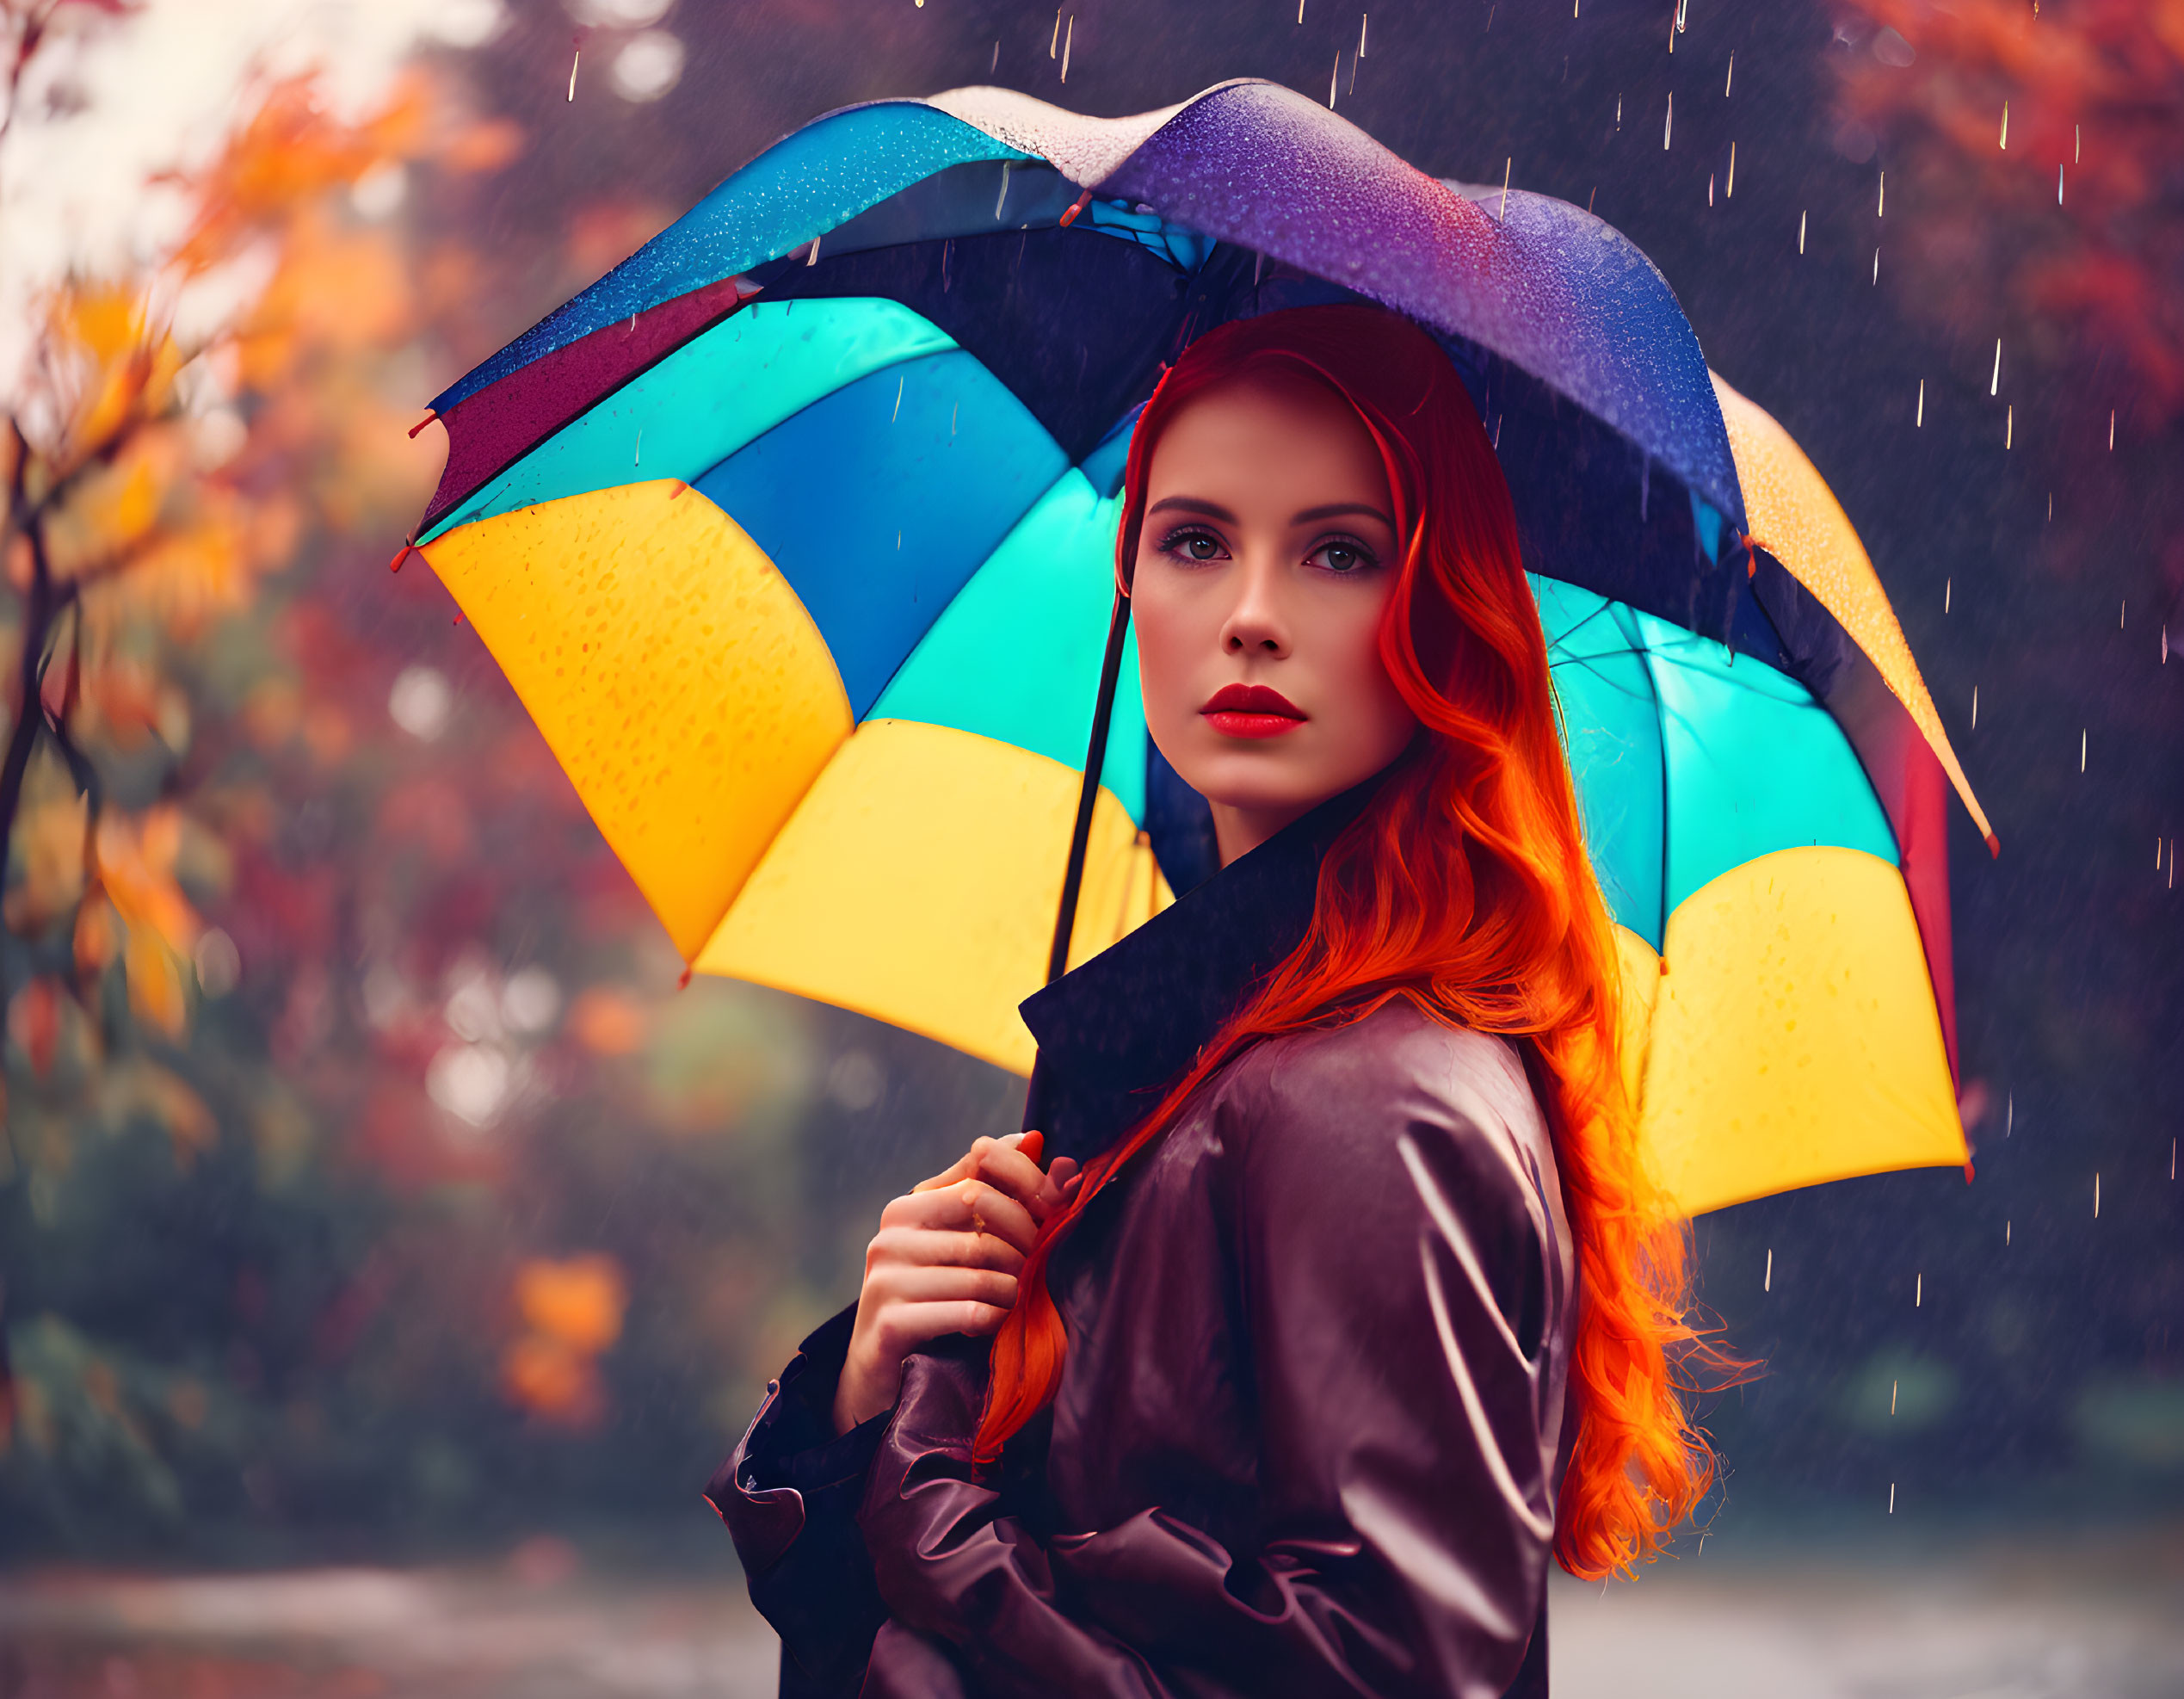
x,y
945,1261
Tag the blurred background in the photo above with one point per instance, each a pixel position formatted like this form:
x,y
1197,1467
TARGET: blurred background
x,y
389,1250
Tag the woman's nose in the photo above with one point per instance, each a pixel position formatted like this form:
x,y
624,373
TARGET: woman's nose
x,y
1256,624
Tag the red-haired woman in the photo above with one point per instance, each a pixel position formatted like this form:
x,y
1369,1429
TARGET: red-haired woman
x,y
1362,1306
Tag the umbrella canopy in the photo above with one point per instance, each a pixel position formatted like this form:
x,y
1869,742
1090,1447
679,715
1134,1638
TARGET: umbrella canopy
x,y
795,536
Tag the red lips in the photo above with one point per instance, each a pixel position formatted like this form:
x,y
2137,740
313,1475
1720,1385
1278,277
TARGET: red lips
x,y
1252,711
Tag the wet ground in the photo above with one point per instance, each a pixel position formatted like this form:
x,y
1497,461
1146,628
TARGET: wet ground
x,y
2081,1616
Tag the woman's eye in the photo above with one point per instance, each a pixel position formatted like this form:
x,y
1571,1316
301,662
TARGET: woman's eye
x,y
1193,545
1342,557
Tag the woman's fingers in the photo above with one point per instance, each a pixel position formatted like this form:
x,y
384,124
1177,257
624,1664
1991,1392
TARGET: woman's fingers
x,y
937,1247
971,1204
965,1166
929,1282
916,1325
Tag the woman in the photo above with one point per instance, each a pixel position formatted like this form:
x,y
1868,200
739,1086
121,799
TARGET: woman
x,y
1361,1305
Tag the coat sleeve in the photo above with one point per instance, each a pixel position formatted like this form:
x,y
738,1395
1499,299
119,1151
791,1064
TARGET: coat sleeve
x,y
789,1496
1395,1268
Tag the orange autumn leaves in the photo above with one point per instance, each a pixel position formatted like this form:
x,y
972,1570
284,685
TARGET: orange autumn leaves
x,y
570,1312
156,476
2069,218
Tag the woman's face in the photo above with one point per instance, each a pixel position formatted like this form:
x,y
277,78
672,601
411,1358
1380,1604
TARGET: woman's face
x,y
1267,557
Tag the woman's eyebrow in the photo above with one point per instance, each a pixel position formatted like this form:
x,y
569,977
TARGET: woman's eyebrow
x,y
1215,511
1336,509
1193,505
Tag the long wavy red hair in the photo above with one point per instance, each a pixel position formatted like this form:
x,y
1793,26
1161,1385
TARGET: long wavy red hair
x,y
1464,887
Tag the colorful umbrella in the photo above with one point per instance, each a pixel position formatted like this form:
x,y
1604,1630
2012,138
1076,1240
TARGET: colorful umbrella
x,y
795,536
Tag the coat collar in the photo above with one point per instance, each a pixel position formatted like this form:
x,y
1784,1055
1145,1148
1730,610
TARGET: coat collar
x,y
1114,1032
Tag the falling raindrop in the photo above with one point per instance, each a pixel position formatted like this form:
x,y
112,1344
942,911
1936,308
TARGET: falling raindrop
x,y
1881,211
900,379
1892,1385
2009,424
2009,1114
1975,707
1729,81
1619,112
1332,77
1801,218
1729,188
1506,165
1877,265
2081,742
1994,383
2112,431
2007,1227
2121,610
996,66
2058,185
1919,421
1946,585
1364,18
1054,46
1767,1284
812,258
637,455
2005,128
1669,125
1918,1292
1005,164
1710,189
2077,145
1891,1498
574,59
2096,1195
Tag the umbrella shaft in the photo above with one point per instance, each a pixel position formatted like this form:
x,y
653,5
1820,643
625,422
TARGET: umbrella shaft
x,y
1058,960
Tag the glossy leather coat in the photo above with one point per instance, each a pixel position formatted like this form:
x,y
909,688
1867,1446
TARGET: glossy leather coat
x,y
1310,1430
